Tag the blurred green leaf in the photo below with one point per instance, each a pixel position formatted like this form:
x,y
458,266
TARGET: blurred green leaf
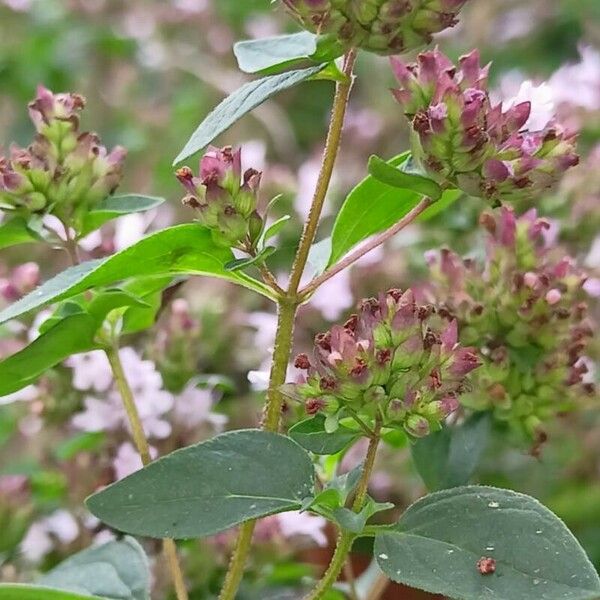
x,y
72,335
183,249
242,263
116,570
448,458
257,55
210,487
17,591
82,442
117,206
439,540
14,231
241,102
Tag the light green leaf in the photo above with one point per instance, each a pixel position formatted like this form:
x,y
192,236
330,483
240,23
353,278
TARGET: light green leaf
x,y
241,102
372,207
106,301
117,206
16,591
15,231
311,434
439,540
256,55
209,487
398,178
72,335
448,458
180,250
117,569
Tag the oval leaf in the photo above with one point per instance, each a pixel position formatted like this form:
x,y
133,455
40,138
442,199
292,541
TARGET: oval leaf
x,y
256,55
117,206
207,488
16,591
372,207
438,542
71,335
118,570
241,102
311,434
396,177
448,458
183,249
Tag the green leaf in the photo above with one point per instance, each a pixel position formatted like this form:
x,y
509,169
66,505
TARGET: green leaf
x,y
448,458
14,232
311,434
117,206
16,591
106,301
72,335
183,249
274,229
241,102
118,570
209,487
439,540
242,263
81,442
372,207
396,177
256,55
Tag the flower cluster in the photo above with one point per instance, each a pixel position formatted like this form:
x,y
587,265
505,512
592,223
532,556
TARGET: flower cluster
x,y
64,171
522,309
462,139
392,360
226,202
382,26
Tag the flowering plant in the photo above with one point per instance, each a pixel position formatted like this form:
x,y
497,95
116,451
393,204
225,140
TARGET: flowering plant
x,y
477,345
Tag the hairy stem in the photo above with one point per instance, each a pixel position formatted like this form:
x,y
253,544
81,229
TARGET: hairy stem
x,y
329,157
346,538
366,248
287,308
141,443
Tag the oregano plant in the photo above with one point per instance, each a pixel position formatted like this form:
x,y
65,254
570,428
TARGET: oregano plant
x,y
492,341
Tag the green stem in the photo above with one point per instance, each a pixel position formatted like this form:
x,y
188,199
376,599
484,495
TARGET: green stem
x,y
346,538
143,448
287,308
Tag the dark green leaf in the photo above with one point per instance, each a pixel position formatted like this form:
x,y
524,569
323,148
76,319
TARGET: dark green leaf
x,y
256,55
15,231
448,458
396,177
209,487
72,335
183,249
438,542
372,207
241,102
117,206
15,591
311,434
117,569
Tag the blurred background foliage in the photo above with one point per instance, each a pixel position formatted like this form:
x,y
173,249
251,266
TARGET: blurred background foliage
x,y
151,70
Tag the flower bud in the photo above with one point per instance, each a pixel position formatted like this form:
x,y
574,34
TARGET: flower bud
x,y
462,139
381,26
391,349
224,203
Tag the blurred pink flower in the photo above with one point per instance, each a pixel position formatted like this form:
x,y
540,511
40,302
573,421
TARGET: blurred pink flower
x,y
128,460
578,84
194,406
292,524
91,371
541,99
42,535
